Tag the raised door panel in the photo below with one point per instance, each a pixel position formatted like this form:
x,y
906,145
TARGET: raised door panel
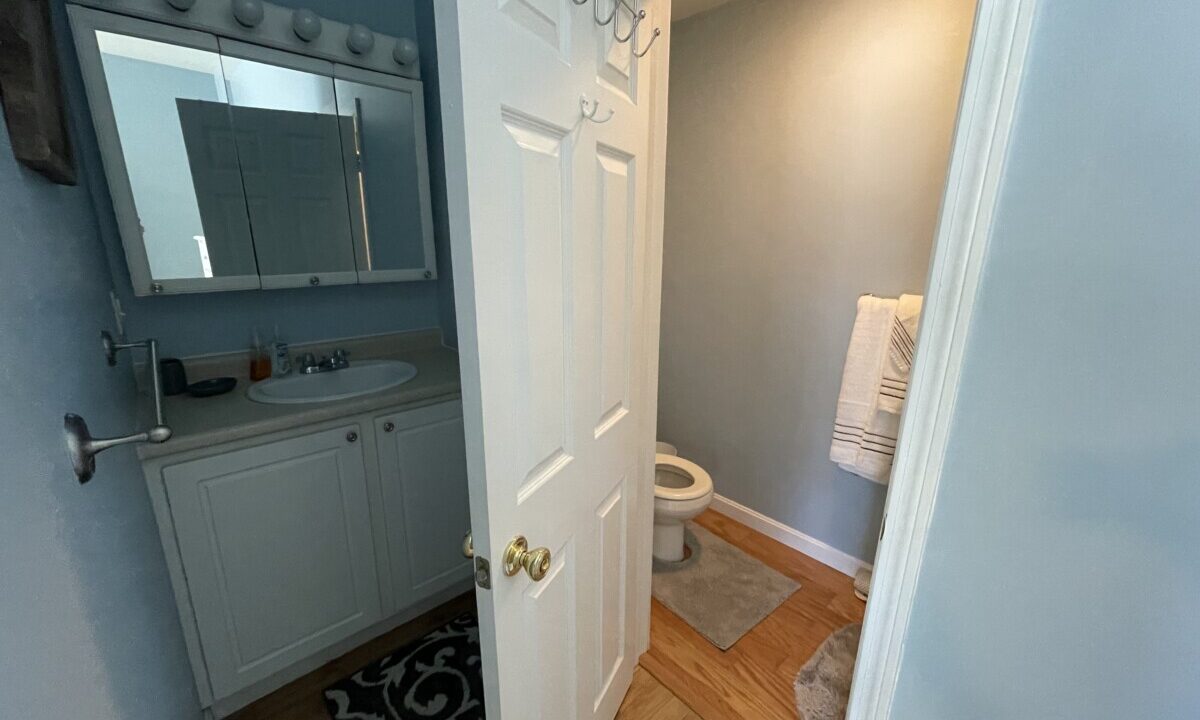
x,y
423,469
275,541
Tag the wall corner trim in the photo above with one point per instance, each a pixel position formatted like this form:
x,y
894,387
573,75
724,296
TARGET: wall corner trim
x,y
987,111
826,554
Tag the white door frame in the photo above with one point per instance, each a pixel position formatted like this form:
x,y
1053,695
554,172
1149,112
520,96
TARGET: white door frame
x,y
647,386
995,67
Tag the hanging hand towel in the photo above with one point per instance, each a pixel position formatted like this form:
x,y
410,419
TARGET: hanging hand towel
x,y
898,365
877,452
869,342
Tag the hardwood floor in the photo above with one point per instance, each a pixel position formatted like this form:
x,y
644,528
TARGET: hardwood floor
x,y
648,699
753,679
683,676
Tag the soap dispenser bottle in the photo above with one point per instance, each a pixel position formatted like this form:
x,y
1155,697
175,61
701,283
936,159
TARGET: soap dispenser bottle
x,y
260,363
281,361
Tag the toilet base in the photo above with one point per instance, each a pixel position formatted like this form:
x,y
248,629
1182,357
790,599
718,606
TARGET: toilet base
x,y
668,541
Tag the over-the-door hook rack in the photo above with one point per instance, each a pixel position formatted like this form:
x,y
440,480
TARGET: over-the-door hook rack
x,y
637,15
588,110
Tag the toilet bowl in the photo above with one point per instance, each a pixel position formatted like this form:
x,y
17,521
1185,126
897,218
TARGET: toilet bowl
x,y
682,490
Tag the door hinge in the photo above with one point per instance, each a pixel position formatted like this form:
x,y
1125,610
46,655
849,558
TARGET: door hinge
x,y
483,573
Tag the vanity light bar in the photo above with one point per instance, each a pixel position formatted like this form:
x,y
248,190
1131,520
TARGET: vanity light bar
x,y
300,31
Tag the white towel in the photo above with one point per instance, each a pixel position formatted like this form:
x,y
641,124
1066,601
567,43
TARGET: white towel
x,y
898,364
857,401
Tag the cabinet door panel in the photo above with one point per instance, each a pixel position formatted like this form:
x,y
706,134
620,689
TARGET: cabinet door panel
x,y
276,544
423,467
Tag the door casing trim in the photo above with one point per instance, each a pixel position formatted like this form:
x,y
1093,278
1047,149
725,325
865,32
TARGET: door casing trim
x,y
987,109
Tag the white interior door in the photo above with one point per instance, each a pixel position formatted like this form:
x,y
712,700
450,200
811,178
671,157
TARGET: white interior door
x,y
555,248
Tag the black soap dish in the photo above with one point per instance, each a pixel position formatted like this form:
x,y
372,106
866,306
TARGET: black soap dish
x,y
211,387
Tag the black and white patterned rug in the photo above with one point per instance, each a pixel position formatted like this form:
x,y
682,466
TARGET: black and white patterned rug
x,y
435,677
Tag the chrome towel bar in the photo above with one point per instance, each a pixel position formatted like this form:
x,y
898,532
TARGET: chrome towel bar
x,y
82,447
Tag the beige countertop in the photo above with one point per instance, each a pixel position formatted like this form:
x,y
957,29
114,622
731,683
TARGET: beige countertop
x,y
203,422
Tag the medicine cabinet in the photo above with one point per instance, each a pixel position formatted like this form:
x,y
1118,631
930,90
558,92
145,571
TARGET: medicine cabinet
x,y
236,166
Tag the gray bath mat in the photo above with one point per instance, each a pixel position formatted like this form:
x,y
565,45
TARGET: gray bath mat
x,y
720,591
823,684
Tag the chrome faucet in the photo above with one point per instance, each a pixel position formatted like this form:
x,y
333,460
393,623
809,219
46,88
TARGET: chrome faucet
x,y
309,365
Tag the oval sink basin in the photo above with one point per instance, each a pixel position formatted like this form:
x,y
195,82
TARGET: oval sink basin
x,y
359,379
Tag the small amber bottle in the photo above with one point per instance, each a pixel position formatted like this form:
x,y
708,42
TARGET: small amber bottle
x,y
260,362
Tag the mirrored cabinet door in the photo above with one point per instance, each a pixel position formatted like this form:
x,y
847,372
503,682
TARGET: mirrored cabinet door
x,y
158,97
387,174
289,142
235,166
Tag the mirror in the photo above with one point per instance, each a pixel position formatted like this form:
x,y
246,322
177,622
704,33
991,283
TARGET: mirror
x,y
289,142
235,166
386,173
168,103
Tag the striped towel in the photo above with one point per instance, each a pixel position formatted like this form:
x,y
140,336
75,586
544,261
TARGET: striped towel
x,y
876,436
869,342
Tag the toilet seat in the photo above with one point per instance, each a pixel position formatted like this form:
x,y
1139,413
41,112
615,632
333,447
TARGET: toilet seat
x,y
701,483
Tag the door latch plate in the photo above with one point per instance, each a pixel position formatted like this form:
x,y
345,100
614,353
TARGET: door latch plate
x,y
483,573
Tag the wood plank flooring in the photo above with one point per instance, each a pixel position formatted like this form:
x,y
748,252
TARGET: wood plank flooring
x,y
648,699
753,679
683,676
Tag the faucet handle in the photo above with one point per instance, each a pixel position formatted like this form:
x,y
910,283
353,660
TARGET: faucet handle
x,y
340,355
307,360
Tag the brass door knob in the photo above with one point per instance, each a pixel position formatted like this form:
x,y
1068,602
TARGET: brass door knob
x,y
518,555
468,546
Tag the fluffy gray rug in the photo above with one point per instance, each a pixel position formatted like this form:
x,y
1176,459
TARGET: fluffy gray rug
x,y
823,684
720,591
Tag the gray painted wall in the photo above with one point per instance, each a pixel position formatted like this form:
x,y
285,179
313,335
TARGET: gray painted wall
x,y
88,627
806,154
215,322
1063,563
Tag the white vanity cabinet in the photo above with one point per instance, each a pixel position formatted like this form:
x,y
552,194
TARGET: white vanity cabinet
x,y
276,544
289,549
423,468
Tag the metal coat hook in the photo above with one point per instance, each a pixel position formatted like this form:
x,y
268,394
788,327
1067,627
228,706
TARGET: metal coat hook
x,y
616,6
642,53
640,16
589,109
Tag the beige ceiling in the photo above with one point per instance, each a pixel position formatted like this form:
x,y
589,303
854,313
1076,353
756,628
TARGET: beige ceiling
x,y
686,8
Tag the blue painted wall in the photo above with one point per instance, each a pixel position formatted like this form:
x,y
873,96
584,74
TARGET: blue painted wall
x,y
88,624
1063,563
88,627
216,322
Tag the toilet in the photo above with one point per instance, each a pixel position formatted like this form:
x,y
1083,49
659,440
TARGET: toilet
x,y
682,490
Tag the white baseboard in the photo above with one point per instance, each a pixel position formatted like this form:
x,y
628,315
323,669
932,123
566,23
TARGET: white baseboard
x,y
793,538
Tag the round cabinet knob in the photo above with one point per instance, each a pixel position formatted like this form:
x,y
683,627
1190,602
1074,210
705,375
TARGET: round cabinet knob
x,y
405,51
314,281
248,13
181,5
306,24
389,426
351,436
360,39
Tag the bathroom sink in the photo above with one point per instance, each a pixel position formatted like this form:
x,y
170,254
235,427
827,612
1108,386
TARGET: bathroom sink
x,y
359,379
